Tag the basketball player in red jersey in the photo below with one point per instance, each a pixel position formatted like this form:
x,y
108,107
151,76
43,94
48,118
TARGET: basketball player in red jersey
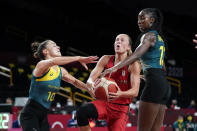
x,y
115,110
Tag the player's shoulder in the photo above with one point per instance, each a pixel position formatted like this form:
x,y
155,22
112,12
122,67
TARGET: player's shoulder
x,y
135,65
47,61
149,34
149,38
62,68
106,57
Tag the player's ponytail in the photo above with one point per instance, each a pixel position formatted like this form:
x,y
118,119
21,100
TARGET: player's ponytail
x,y
34,47
37,49
129,52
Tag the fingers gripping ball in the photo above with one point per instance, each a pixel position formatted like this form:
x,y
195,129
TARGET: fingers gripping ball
x,y
103,86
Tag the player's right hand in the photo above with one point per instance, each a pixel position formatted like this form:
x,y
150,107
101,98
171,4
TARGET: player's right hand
x,y
91,92
87,60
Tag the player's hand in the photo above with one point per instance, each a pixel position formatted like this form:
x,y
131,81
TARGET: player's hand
x,y
195,40
91,92
90,88
87,60
114,96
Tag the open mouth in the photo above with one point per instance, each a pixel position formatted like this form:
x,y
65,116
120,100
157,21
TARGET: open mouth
x,y
118,46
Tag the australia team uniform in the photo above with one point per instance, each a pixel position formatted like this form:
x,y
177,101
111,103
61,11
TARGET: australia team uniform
x,y
115,112
41,94
157,89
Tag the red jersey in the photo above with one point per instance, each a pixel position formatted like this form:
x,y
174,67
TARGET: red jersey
x,y
122,78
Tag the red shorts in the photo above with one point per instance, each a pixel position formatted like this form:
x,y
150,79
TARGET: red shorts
x,y
115,115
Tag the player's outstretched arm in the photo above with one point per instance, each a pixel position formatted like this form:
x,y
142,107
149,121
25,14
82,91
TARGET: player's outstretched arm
x,y
75,82
44,65
148,40
72,80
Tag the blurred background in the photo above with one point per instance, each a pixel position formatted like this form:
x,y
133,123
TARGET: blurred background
x,y
89,27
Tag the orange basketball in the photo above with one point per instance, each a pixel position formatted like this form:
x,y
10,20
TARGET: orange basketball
x,y
103,86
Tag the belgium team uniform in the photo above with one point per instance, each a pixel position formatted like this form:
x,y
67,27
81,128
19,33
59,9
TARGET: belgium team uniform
x,y
42,92
157,89
115,112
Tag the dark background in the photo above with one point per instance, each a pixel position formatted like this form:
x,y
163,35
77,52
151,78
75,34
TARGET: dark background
x,y
90,27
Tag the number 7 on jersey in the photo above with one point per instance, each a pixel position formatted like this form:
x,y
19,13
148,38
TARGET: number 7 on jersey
x,y
162,48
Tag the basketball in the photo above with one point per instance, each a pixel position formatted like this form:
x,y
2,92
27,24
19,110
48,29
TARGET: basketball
x,y
103,86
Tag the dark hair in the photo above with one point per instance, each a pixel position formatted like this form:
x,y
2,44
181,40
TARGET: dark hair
x,y
38,48
157,25
158,16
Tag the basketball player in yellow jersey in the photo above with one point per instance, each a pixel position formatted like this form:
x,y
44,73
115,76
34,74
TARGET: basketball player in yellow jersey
x,y
46,75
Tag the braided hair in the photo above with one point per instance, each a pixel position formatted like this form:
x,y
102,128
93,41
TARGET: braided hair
x,y
157,15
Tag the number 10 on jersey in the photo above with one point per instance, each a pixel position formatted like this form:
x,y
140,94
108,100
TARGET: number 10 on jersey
x,y
51,96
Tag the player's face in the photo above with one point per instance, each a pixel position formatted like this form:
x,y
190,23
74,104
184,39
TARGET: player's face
x,y
144,21
53,50
121,44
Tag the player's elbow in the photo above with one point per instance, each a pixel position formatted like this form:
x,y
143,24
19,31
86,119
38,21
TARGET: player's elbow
x,y
135,88
68,79
135,94
136,56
